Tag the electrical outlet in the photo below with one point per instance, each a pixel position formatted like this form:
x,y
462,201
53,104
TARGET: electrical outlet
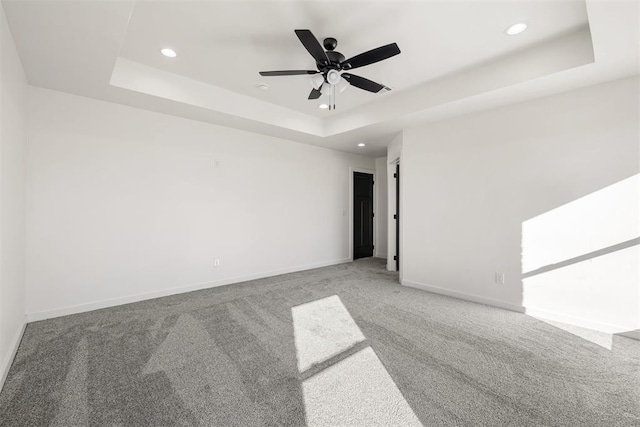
x,y
216,163
499,278
216,263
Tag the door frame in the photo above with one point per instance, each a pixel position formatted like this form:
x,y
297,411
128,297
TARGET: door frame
x,y
392,196
350,210
397,217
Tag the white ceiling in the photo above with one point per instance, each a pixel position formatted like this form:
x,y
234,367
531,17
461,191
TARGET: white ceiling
x,y
455,58
226,44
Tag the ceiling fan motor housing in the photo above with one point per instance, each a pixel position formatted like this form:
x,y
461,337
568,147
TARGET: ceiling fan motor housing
x,y
335,57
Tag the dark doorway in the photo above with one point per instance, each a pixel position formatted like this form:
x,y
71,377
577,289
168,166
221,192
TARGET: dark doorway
x,y
397,217
362,215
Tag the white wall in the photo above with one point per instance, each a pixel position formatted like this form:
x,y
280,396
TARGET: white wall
x,y
125,204
12,206
475,188
380,200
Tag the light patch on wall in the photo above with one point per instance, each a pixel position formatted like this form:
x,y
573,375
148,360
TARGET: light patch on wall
x,y
599,220
581,261
602,291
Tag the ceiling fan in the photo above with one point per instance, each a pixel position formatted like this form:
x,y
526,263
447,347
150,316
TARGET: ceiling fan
x,y
332,66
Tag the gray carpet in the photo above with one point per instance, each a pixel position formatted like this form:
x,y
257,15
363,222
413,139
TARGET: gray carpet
x,y
342,345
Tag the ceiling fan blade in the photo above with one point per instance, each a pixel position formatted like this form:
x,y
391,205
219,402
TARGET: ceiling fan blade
x,y
311,43
362,83
370,57
315,94
287,73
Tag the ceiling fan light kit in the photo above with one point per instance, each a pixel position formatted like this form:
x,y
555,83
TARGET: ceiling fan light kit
x,y
332,65
333,77
317,80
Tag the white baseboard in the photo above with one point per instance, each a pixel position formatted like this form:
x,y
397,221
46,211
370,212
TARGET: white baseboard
x,y
13,349
631,334
533,312
576,321
82,308
380,255
464,296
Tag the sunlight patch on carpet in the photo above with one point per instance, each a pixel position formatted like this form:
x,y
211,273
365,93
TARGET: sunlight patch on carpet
x,y
357,391
323,329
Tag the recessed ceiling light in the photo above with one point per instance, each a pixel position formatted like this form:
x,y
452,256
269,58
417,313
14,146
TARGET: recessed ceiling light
x,y
323,106
262,86
362,144
169,53
516,28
